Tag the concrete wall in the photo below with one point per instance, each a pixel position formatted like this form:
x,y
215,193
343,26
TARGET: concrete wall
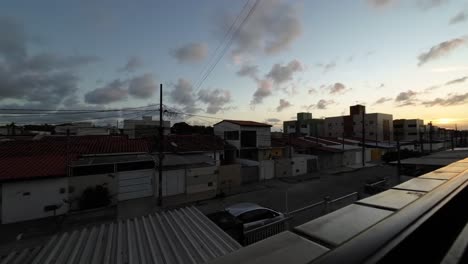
x,y
266,170
250,174
298,166
334,126
202,180
26,200
229,177
78,184
173,182
283,168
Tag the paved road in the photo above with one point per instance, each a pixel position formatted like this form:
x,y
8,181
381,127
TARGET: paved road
x,y
307,192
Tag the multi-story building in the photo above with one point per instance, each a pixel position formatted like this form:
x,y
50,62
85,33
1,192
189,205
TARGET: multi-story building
x,y
251,139
408,129
305,125
146,127
378,126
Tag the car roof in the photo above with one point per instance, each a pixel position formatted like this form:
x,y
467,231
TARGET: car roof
x,y
240,208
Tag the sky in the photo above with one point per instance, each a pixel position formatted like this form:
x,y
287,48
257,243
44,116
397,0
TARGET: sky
x,y
262,60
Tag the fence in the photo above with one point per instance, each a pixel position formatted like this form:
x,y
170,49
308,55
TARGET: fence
x,y
327,205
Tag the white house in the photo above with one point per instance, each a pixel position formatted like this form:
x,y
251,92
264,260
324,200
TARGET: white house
x,y
252,139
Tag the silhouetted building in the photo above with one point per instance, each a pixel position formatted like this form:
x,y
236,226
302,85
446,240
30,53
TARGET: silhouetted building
x,y
305,125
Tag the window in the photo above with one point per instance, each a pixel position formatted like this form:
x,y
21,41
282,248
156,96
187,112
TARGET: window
x,y
303,126
62,190
398,126
26,193
231,135
412,125
210,184
371,133
94,169
371,122
292,126
142,165
256,215
412,134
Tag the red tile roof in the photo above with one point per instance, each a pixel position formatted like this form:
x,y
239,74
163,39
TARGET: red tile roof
x,y
246,123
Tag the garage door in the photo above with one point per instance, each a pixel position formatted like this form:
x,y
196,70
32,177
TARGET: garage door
x,y
173,182
135,184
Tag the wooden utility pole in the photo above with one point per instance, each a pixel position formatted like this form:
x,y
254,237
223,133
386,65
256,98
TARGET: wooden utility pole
x,y
161,145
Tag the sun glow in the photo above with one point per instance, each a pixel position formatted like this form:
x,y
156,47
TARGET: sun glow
x,y
445,121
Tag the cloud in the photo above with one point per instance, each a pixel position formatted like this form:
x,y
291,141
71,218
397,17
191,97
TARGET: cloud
x,y
143,86
182,94
112,92
35,79
280,74
451,100
215,99
381,86
312,91
459,18
249,71
132,64
380,3
327,67
431,88
271,28
383,100
283,104
273,120
406,98
428,4
191,53
337,88
459,80
264,89
321,104
440,50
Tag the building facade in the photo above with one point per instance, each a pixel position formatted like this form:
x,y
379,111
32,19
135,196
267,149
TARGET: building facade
x,y
408,129
305,125
378,126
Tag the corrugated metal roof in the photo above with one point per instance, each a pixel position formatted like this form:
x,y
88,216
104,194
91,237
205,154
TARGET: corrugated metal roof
x,y
178,236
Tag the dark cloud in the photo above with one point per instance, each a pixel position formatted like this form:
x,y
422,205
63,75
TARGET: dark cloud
x,y
192,52
381,86
183,95
383,100
451,100
380,3
459,18
280,74
428,4
321,104
112,92
431,88
312,91
283,104
459,80
42,79
143,86
249,71
337,88
273,120
406,98
215,99
440,50
264,89
132,64
272,28
327,67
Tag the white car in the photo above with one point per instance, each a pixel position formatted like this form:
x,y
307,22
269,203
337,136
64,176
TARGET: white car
x,y
253,215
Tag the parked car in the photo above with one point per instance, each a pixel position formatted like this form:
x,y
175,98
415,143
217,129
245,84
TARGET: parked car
x,y
253,215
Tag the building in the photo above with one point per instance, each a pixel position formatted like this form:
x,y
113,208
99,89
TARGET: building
x,y
82,129
408,129
252,140
147,127
378,126
305,125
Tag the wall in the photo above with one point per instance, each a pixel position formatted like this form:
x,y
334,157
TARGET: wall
x,y
249,174
16,206
298,166
266,170
229,177
283,168
263,135
219,129
334,126
78,184
203,179
173,182
264,154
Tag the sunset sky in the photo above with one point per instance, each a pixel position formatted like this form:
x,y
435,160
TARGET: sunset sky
x,y
408,58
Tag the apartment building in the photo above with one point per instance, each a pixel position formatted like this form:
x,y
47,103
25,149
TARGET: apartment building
x,y
305,125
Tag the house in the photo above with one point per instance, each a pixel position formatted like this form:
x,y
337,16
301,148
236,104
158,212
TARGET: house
x,y
378,126
305,125
147,127
82,129
252,140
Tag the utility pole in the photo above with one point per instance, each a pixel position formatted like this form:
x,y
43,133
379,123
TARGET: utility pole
x,y
363,137
161,145
430,137
398,157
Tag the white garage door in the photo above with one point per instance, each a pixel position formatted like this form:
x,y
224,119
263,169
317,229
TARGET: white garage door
x,y
135,184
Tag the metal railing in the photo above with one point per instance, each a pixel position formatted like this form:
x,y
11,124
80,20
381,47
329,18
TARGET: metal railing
x,y
262,232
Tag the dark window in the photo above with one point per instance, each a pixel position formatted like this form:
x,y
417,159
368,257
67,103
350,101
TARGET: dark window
x,y
94,169
292,126
62,190
303,126
371,122
26,193
371,133
231,135
142,165
210,184
412,125
256,215
398,126
329,134
412,134
248,139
